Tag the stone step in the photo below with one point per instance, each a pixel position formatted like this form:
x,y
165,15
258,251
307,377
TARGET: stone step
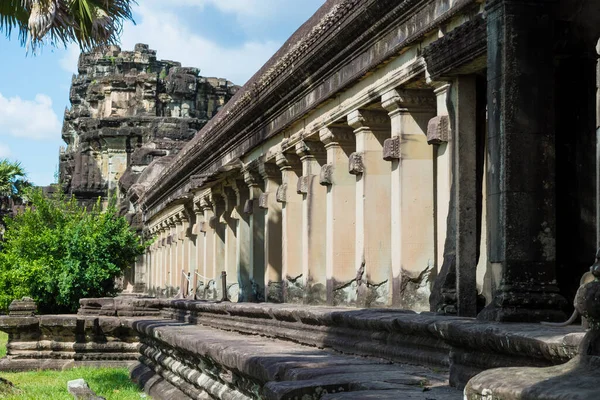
x,y
201,361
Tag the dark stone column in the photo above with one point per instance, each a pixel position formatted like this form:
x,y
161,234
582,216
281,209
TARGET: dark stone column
x,y
521,209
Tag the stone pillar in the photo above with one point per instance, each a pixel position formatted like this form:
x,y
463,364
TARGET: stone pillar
x,y
256,222
314,211
340,228
291,236
273,230
220,231
208,229
412,196
198,230
244,241
521,208
231,263
172,260
373,202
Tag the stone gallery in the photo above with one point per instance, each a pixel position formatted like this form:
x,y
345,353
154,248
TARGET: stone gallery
x,y
388,208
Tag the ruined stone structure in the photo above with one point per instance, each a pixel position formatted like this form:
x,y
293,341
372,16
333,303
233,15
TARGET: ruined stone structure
x,y
130,114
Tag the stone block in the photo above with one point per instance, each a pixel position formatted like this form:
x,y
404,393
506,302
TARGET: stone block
x,y
303,185
263,201
25,307
81,391
249,206
391,149
355,164
282,193
438,130
325,178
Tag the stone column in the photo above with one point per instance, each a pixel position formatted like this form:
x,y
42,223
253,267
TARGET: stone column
x,y
412,196
273,230
208,228
340,230
373,202
256,222
314,212
198,230
291,236
220,230
172,260
244,241
521,218
230,221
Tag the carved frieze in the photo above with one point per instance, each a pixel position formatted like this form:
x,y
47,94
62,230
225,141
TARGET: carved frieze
x,y
438,130
325,178
355,164
282,193
391,149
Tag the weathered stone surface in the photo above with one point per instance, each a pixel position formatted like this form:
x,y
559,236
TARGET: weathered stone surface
x,y
438,130
81,390
355,164
25,307
391,149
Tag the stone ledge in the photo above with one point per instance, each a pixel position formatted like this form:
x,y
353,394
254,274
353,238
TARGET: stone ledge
x,y
201,360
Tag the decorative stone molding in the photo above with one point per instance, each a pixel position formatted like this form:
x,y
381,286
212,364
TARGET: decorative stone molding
x,y
355,164
336,135
438,130
263,201
368,119
249,206
391,149
303,185
325,178
306,148
282,193
269,171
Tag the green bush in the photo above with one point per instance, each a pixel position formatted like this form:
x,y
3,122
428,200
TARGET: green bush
x,y
58,252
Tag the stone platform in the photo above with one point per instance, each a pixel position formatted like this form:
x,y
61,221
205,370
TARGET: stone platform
x,y
198,349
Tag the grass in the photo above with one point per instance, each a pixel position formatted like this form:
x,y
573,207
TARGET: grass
x,y
110,383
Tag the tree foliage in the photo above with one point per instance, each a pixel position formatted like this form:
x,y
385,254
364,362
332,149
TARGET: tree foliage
x,y
57,252
89,23
13,181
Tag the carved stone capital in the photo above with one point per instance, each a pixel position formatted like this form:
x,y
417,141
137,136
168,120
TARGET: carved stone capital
x,y
411,100
252,178
269,171
391,149
368,119
325,177
333,135
305,148
355,164
438,130
282,193
287,161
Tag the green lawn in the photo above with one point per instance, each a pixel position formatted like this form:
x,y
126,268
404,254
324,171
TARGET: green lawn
x,y
111,383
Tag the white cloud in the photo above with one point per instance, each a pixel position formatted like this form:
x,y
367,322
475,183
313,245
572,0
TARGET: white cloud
x,y
166,33
69,61
4,151
30,119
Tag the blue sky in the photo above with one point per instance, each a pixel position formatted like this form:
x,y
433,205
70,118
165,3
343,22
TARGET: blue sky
x,y
225,38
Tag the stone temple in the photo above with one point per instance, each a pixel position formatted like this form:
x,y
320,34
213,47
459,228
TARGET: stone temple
x,y
387,209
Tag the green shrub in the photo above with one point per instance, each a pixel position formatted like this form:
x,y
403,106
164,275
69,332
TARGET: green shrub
x,y
58,252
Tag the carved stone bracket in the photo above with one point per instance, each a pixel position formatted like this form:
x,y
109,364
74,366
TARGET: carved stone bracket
x,y
263,201
303,186
355,164
369,119
282,193
438,130
326,175
391,149
411,100
249,206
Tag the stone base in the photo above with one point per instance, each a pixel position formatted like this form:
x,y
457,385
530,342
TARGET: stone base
x,y
576,380
154,384
521,306
10,364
